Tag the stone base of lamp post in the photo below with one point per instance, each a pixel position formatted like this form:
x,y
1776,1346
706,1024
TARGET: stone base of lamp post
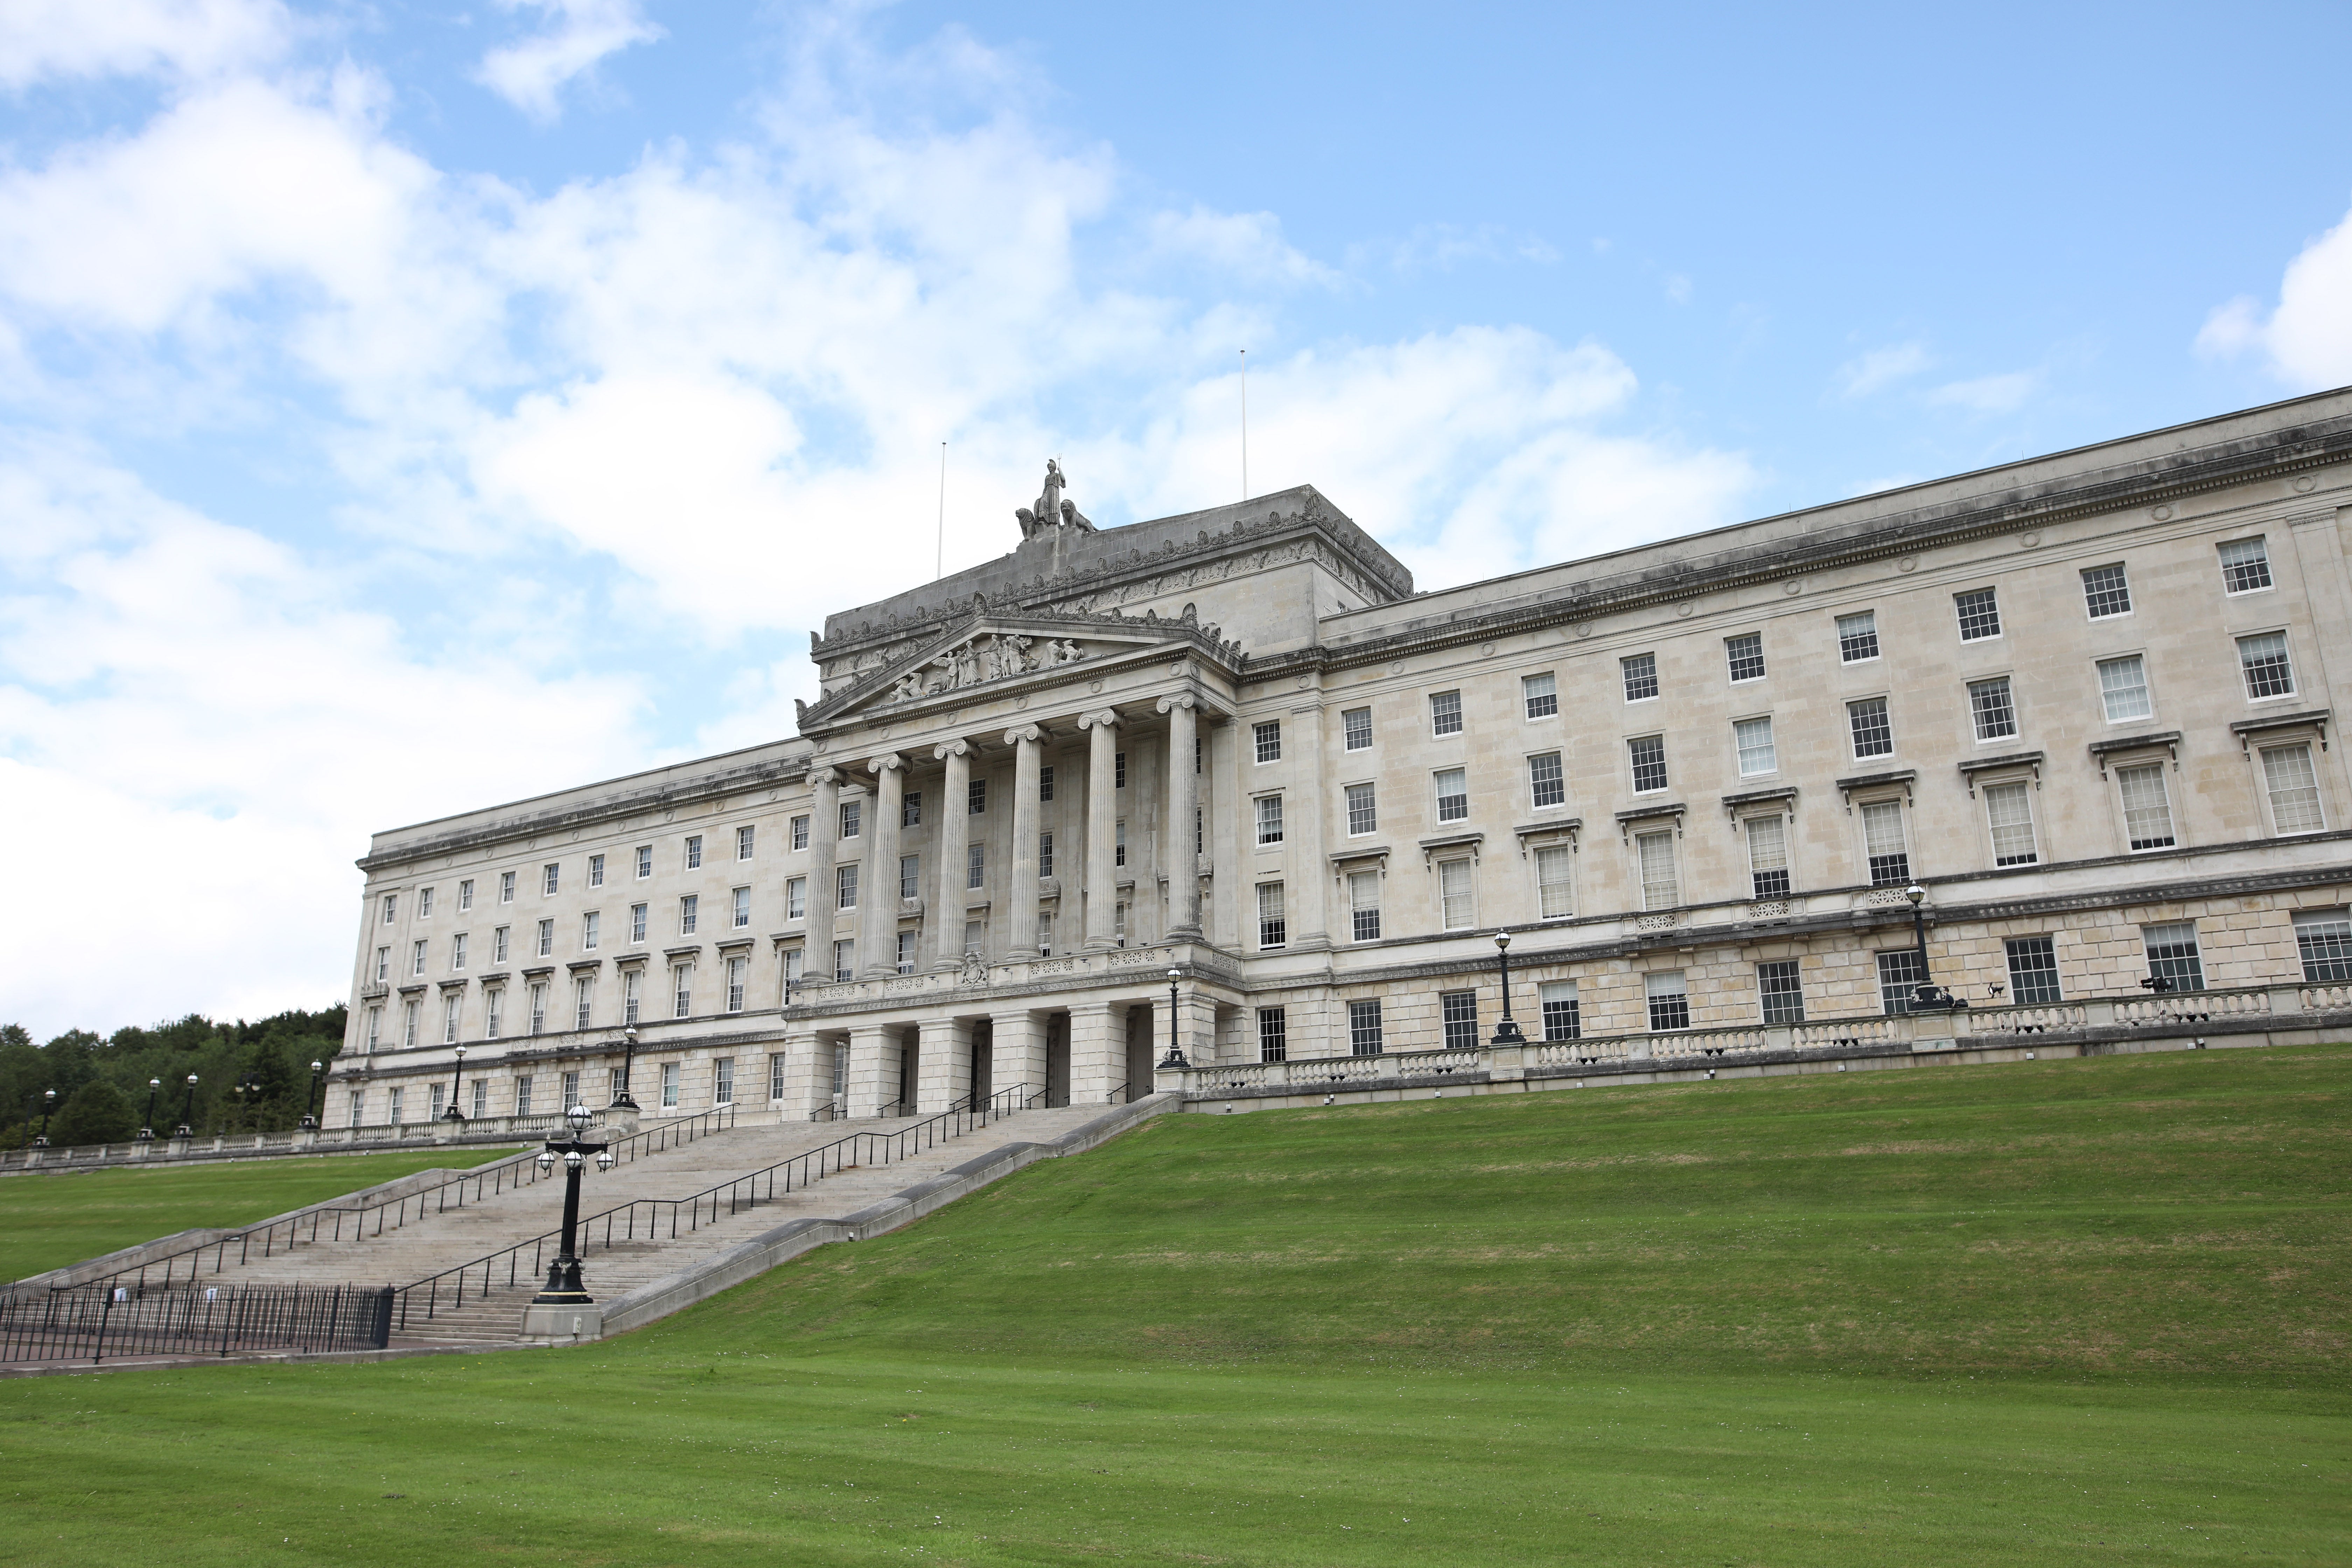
x,y
562,1320
621,1120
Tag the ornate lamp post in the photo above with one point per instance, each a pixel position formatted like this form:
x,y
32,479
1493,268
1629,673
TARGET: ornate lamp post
x,y
1927,996
147,1127
563,1286
247,1090
48,1103
1507,1030
310,1100
1174,1059
455,1075
188,1112
621,1100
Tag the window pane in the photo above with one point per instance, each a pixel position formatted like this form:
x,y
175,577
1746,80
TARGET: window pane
x,y
1453,794
1661,889
1541,696
975,866
1364,905
2324,938
1554,883
1455,895
1883,841
2032,970
2105,591
1988,703
1641,673
1980,614
1273,929
1648,756
1899,979
2294,789
1445,713
1767,855
2264,660
1363,809
1858,636
1745,654
2011,819
1560,1018
2122,689
1269,819
1545,785
1364,1034
2172,955
1757,753
1273,1035
1357,722
1267,738
1872,735
1781,991
1669,1002
2245,565
1458,1011
2148,812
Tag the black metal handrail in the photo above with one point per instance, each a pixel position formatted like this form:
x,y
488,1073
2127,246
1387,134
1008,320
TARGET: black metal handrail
x,y
516,1171
741,1193
96,1323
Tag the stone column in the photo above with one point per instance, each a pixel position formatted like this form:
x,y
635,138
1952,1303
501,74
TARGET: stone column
x,y
873,1069
944,1065
824,837
1102,814
877,884
953,839
1019,927
1183,795
808,1077
1097,1050
1307,892
1019,1053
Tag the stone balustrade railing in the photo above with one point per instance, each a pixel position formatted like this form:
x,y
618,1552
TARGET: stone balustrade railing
x,y
254,1145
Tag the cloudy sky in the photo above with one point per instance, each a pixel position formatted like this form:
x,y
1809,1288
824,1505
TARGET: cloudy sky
x,y
413,406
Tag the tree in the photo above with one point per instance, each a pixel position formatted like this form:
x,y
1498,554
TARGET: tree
x,y
96,1114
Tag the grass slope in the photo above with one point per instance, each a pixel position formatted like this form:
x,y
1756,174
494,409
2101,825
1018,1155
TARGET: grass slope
x,y
2056,1312
50,1221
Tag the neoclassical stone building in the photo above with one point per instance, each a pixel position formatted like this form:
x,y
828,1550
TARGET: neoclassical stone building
x,y
2084,701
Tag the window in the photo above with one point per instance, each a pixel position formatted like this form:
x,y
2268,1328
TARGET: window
x,y
2173,955
1363,810
1044,854
392,905
436,1114
1458,1012
1445,713
776,1076
417,957
1118,770
465,895
1745,656
742,909
1045,783
797,898
374,1028
591,928
1118,842
633,988
800,832
2106,593
595,874
794,959
2148,812
1554,883
539,1008
689,914
1767,857
2245,565
1648,756
1355,727
1364,1038
1561,1019
546,945
522,1094
971,936
975,797
670,1086
1980,614
1269,819
1457,909
694,851
506,887
1899,973
910,809
644,861
1782,993
853,818
1753,737
1045,934
1364,906
1990,707
681,991
1857,636
425,904
744,837
975,866
384,965
1669,1002
1540,694
408,1023
1268,740
2032,971
450,1005
2122,689
638,919
1544,784
1273,929
392,1107
1273,1035
583,1001
1661,887
910,876
2011,819
1883,842
548,876
2324,940
2268,672
1200,830
1641,673
844,887
1453,794
2294,789
1873,737
722,1081
1119,922
735,969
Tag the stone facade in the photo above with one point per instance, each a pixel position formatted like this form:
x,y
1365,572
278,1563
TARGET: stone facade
x,y
2073,699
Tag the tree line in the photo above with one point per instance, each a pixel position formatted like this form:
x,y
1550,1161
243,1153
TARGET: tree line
x,y
250,1077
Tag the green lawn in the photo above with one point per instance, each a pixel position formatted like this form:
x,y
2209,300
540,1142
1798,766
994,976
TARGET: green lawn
x,y
49,1221
2053,1312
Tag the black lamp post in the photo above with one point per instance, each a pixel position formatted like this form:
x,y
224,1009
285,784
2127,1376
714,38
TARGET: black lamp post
x,y
188,1112
1927,996
48,1103
247,1090
1174,1059
455,1075
1507,1031
310,1100
622,1100
563,1286
147,1127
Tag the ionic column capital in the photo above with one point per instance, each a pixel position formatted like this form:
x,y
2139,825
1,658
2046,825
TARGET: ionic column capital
x,y
1106,718
1176,699
1020,732
946,748
890,762
825,775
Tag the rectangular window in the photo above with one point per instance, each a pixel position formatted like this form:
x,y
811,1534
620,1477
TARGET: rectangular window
x,y
2173,955
1045,783
689,913
975,866
1545,786
975,797
633,994
844,887
539,1008
1363,811
1781,991
2032,971
971,936
1267,737
844,958
1457,909
2324,940
744,837
910,809
1669,1001
1044,854
1661,887
1458,1012
2105,591
408,1024
794,958
2122,689
465,895
1119,922
2011,815
506,887
1364,1035
2293,788
591,928
1990,707
1767,857
1272,929
1044,933
644,861
583,1001
681,991
2245,565
670,1086
522,1094
1269,819
1540,694
1648,757
1445,713
384,965
797,898
546,945
1640,675
417,957
595,871
374,1028
1883,841
1118,842
498,944
776,1076
800,832
435,1113
1273,1035
722,1081
1356,729
1554,883
1364,906
1873,736
639,916
1118,770
548,876
2268,672
1562,1019
910,876
1899,974
392,905
1757,753
1857,636
693,852
1453,794
1745,656
1980,614
425,904
735,971
741,912
2147,811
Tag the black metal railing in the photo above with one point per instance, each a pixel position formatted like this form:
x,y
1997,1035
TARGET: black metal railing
x,y
335,1222
94,1322
658,1219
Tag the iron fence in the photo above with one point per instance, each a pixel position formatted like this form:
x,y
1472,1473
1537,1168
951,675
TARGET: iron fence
x,y
94,1322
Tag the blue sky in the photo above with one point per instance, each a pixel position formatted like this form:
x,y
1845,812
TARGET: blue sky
x,y
408,408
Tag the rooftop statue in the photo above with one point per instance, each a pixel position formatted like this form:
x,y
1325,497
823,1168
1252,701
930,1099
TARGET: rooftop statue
x,y
1051,511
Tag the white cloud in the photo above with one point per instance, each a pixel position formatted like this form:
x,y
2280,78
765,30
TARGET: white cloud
x,y
2307,339
1988,394
1881,368
533,74
1243,246
43,39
